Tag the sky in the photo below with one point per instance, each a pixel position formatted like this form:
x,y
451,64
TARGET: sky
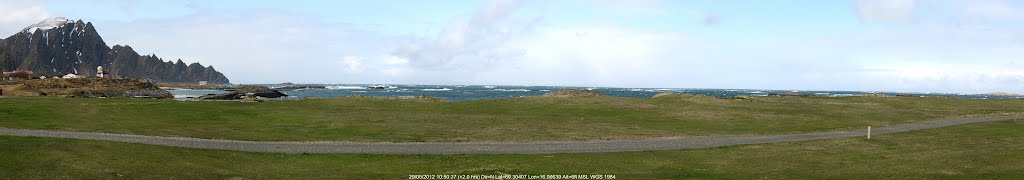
x,y
949,46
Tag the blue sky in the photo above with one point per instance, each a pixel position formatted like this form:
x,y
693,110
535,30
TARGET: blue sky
x,y
960,46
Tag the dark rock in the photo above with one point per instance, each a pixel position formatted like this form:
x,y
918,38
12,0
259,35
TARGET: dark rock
x,y
294,87
77,47
225,96
150,93
240,91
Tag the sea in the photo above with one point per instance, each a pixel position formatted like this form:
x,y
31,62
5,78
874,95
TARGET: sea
x,y
474,92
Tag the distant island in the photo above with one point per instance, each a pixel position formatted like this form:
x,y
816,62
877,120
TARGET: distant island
x,y
60,47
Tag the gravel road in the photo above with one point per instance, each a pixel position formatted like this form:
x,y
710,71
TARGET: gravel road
x,y
652,144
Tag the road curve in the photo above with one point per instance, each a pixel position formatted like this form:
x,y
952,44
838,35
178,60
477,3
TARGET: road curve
x,y
324,147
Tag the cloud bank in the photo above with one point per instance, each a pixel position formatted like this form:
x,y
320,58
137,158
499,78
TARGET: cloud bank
x,y
899,45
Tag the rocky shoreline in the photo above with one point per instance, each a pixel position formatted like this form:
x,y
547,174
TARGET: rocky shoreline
x,y
296,87
239,92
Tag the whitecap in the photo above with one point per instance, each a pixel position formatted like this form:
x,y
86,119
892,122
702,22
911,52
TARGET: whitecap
x,y
444,89
182,96
345,87
513,90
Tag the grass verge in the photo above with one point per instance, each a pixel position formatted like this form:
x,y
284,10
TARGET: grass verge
x,y
975,151
513,119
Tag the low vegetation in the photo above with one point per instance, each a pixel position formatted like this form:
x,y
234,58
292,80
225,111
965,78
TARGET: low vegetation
x,y
513,119
975,151
87,87
191,86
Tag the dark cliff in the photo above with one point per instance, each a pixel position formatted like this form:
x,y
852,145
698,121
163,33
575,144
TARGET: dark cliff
x,y
57,46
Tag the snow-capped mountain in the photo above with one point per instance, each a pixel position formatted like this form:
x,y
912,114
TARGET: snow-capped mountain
x,y
47,24
58,46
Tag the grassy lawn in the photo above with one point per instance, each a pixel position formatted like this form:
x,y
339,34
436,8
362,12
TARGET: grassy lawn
x,y
975,151
514,119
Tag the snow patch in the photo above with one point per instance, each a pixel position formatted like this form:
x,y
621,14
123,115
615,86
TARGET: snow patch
x,y
47,24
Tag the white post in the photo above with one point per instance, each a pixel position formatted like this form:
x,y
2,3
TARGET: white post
x,y
869,132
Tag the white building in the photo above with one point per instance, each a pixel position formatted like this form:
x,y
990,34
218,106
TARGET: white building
x,y
100,73
72,76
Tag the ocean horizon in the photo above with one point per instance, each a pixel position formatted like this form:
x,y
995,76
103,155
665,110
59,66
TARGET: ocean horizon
x,y
475,92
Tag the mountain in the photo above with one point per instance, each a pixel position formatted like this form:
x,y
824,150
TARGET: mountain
x,y
58,46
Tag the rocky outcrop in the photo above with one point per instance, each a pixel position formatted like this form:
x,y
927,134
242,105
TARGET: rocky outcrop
x,y
57,47
97,87
240,91
294,87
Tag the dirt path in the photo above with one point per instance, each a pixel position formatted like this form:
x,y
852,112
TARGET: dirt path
x,y
666,143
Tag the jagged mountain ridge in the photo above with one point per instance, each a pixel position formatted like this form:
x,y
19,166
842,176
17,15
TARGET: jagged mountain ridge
x,y
57,46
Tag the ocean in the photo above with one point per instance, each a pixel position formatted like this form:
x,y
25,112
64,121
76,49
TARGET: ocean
x,y
473,92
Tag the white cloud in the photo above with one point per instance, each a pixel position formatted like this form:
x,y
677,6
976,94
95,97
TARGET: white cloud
x,y
960,12
923,76
638,7
594,56
258,47
885,10
352,64
477,41
989,10
15,15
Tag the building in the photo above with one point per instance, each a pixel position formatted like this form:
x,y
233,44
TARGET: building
x,y
201,83
18,71
100,73
72,76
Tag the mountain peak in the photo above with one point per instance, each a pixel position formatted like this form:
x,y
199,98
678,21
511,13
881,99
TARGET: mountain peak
x,y
48,23
64,46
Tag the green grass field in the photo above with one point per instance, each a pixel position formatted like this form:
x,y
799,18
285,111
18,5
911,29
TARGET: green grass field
x,y
974,151
514,119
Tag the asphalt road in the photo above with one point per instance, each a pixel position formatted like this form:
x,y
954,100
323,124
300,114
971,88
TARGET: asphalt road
x,y
652,144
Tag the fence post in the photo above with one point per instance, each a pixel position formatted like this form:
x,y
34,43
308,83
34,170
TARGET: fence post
x,y
869,132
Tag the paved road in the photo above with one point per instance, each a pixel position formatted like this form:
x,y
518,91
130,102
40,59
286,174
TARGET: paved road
x,y
668,143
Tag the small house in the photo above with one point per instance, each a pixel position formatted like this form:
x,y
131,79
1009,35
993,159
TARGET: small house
x,y
18,71
73,76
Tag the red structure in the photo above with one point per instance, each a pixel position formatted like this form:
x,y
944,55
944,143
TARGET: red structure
x,y
18,71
